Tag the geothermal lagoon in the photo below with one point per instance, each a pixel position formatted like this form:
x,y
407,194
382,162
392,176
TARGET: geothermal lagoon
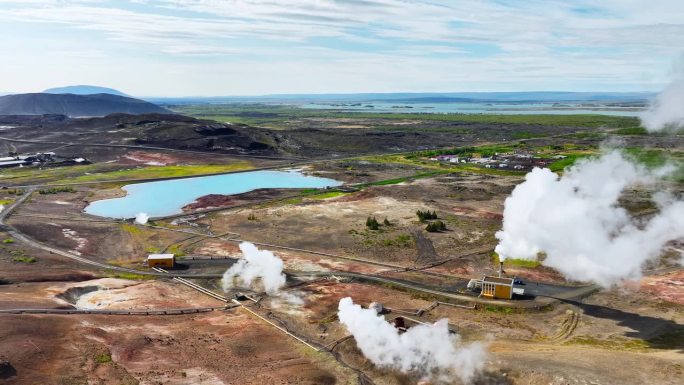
x,y
164,198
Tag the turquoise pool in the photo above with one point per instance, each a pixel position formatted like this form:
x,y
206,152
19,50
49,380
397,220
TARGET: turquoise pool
x,y
163,198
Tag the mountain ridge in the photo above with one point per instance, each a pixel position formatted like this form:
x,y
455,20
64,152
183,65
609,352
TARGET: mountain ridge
x,y
84,89
75,105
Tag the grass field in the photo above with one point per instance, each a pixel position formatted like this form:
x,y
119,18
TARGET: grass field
x,y
95,173
277,116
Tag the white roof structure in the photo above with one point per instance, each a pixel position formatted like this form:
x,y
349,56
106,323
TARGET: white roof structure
x,y
160,256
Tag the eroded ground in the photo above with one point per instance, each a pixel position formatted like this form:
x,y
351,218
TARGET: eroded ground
x,y
634,335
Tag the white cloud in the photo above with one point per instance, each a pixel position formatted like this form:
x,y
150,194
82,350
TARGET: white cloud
x,y
449,45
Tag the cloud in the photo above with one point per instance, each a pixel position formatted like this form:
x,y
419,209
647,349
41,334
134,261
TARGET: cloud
x,y
395,44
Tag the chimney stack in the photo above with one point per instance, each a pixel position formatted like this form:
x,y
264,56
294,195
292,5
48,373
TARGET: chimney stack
x,y
501,269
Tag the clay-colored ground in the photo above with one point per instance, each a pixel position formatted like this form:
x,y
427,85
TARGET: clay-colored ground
x,y
632,336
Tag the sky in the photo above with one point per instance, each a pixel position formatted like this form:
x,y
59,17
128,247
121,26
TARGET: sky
x,y
254,47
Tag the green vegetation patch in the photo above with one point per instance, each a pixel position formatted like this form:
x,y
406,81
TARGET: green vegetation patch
x,y
176,249
528,264
515,262
103,358
499,309
57,190
612,344
152,172
25,259
131,229
631,131
104,172
654,158
326,195
386,182
402,240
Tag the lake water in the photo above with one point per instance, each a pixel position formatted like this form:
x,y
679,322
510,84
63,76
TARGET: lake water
x,y
478,108
163,198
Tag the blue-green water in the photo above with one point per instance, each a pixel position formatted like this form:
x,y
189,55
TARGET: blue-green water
x,y
522,108
158,199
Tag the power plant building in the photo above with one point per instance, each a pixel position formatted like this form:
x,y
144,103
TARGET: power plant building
x,y
497,288
161,260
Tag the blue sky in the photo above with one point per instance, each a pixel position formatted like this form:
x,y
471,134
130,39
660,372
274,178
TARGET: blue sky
x,y
250,47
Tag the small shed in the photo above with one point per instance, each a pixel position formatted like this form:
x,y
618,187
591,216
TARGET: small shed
x,y
498,288
161,260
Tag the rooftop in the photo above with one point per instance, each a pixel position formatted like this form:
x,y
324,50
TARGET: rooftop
x,y
160,256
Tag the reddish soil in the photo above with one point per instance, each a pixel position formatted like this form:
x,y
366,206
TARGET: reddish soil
x,y
149,158
476,213
218,200
214,348
668,287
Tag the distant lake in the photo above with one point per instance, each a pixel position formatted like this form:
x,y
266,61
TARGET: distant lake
x,y
478,108
163,198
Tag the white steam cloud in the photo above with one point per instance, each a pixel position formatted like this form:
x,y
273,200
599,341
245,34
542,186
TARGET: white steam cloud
x,y
142,218
256,264
666,111
428,350
576,222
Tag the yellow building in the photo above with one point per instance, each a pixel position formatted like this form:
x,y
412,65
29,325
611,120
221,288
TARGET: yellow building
x,y
497,288
161,260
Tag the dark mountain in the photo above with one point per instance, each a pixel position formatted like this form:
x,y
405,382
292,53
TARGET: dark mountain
x,y
148,130
75,105
84,90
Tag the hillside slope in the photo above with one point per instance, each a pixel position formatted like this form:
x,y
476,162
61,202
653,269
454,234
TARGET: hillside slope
x,y
75,105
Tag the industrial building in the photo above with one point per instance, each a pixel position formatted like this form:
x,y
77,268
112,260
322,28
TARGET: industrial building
x,y
497,288
161,260
49,159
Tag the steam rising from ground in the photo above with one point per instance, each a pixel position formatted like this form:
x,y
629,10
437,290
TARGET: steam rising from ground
x,y
429,350
257,264
667,110
576,222
141,218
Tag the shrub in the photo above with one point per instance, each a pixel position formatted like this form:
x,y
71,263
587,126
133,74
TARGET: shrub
x,y
435,227
372,223
56,190
426,215
386,222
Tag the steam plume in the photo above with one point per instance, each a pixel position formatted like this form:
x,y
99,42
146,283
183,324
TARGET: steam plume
x,y
429,350
141,218
575,220
256,264
667,110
